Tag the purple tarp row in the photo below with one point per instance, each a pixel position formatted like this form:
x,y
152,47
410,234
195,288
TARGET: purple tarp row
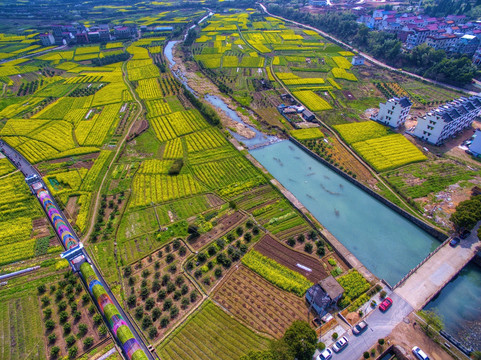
x,y
58,222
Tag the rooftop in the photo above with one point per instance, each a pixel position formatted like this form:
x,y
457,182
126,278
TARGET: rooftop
x,y
332,287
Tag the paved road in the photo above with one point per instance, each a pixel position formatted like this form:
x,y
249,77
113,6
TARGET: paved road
x,y
27,169
438,270
368,57
380,326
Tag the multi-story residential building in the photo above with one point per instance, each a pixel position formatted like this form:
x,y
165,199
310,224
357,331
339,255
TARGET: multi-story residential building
x,y
477,57
442,41
47,39
447,120
393,112
467,44
416,37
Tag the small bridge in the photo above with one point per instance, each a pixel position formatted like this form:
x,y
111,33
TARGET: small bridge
x,y
425,281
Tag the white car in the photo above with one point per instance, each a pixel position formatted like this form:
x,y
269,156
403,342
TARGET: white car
x,y
325,355
421,355
340,344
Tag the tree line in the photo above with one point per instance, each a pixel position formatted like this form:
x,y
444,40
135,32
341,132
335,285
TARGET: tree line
x,y
422,60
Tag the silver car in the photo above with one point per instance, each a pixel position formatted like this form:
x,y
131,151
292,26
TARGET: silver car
x,y
359,328
340,344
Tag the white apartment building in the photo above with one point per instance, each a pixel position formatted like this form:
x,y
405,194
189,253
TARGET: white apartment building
x,y
393,112
447,120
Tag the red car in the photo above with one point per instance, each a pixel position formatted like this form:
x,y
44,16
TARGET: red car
x,y
386,304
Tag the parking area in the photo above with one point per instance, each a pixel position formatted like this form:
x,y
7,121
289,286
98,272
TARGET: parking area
x,y
380,326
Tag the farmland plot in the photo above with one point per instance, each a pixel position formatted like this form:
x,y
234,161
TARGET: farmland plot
x,y
100,129
174,149
149,89
290,258
157,107
259,304
389,152
312,100
211,334
276,273
361,131
184,122
148,189
203,140
225,172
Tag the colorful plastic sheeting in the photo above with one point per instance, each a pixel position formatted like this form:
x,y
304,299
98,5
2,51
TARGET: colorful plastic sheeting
x,y
116,323
58,222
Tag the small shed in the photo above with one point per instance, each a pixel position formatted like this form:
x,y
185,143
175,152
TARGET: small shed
x,y
357,60
475,146
308,116
332,288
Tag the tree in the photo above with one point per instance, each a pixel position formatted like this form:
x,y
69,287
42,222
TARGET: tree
x,y
432,320
146,322
301,340
72,352
45,301
164,321
153,332
47,313
103,330
70,340
156,312
54,351
88,342
49,324
132,300
41,289
67,327
97,319
82,328
51,338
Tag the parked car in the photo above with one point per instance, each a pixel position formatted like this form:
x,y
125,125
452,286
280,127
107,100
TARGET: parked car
x,y
359,328
465,234
340,344
325,355
386,304
454,242
421,355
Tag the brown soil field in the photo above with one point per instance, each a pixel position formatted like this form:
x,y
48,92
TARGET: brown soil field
x,y
224,224
260,304
214,200
284,255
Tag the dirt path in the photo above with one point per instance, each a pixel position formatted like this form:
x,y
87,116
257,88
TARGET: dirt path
x,y
119,147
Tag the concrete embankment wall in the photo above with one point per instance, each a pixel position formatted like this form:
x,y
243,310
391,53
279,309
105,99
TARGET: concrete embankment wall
x,y
426,227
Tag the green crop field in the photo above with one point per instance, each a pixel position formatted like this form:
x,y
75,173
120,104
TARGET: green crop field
x,y
211,334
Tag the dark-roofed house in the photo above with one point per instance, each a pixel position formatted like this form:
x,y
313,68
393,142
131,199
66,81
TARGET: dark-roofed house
x,y
393,112
448,120
308,116
324,294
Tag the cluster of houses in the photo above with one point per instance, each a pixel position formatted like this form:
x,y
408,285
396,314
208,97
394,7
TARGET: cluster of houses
x,y
80,34
437,125
453,33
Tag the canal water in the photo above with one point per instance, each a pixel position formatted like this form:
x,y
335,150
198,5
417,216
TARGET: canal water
x,y
388,244
459,304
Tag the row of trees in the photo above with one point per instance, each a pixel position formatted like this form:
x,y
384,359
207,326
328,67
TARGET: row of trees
x,y
423,60
209,114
